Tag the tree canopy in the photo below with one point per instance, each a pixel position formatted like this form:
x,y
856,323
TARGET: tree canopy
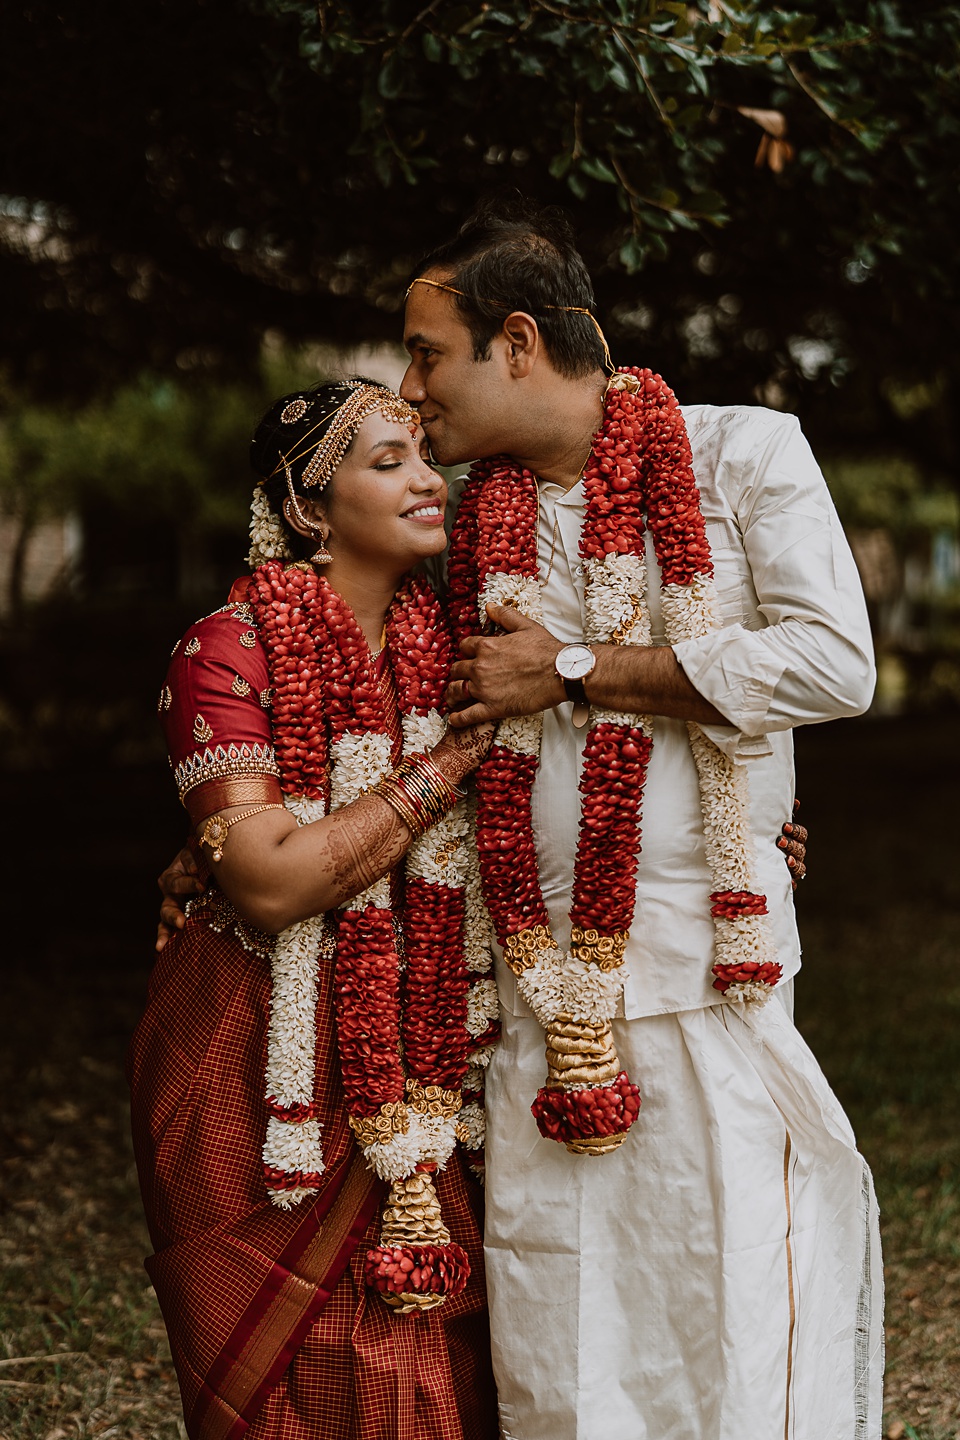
x,y
767,197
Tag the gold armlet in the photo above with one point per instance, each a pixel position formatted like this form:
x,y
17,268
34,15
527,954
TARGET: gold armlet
x,y
229,791
214,833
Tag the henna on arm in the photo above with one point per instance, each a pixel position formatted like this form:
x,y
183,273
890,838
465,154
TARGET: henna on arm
x,y
365,841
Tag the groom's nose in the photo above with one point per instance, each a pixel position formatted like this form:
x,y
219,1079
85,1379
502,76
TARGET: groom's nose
x,y
412,388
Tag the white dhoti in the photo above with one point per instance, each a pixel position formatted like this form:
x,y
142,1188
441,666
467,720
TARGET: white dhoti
x,y
717,1277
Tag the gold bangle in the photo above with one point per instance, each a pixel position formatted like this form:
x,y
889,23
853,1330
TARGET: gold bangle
x,y
400,806
214,832
444,781
418,791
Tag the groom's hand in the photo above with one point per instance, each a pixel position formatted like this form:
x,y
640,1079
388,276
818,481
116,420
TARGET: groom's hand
x,y
178,884
512,673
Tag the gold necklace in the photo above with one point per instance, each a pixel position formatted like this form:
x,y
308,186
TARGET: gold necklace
x,y
553,543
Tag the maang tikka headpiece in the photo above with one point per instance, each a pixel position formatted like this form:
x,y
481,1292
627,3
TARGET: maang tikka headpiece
x,y
365,400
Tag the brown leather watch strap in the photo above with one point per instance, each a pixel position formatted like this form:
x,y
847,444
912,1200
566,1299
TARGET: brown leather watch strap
x,y
575,691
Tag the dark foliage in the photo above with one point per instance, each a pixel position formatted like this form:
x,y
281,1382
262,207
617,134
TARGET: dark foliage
x,y
184,176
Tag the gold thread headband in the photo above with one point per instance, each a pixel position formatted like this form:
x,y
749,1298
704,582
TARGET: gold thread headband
x,y
364,401
568,309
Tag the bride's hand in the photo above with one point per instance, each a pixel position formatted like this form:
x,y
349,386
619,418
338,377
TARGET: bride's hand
x,y
460,751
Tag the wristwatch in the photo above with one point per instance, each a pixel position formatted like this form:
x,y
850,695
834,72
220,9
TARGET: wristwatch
x,y
573,664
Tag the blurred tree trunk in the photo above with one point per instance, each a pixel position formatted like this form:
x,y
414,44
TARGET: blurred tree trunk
x,y
16,579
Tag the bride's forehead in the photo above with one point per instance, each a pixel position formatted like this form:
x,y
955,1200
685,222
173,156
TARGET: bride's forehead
x,y
382,432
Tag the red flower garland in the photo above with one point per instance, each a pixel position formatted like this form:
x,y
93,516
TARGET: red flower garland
x,y
326,685
422,1269
583,1114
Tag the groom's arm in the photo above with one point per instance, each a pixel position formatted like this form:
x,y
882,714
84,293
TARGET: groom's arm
x,y
805,657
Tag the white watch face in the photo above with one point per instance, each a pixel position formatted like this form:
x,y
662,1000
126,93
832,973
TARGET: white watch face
x,y
575,661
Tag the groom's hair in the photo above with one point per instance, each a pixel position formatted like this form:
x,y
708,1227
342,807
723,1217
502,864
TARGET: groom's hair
x,y
513,254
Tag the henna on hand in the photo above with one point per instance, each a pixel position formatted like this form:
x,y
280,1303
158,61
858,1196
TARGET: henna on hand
x,y
368,839
459,753
793,843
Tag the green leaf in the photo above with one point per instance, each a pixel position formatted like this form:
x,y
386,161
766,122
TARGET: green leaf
x,y
392,76
598,169
657,219
433,47
697,74
800,28
632,253
578,185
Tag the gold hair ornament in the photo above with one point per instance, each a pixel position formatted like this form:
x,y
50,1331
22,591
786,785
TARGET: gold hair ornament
x,y
294,411
346,419
568,309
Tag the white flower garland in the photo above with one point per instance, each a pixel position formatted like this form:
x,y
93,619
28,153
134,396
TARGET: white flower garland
x,y
268,539
359,760
483,1001
293,1145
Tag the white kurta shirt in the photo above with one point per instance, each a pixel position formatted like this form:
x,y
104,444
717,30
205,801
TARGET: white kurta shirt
x,y
795,649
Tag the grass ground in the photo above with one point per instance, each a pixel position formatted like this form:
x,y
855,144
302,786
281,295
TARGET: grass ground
x,y
82,1348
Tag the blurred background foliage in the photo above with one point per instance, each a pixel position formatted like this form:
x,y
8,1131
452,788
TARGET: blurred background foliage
x,y
206,201
766,196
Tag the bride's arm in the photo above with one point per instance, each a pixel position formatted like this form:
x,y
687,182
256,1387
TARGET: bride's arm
x,y
276,872
214,709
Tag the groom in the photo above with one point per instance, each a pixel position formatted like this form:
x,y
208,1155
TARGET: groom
x,y
717,1275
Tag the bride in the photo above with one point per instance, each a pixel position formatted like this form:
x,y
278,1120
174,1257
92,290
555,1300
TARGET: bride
x,y
327,1279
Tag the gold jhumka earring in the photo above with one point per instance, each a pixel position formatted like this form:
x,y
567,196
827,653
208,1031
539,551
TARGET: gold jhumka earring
x,y
321,556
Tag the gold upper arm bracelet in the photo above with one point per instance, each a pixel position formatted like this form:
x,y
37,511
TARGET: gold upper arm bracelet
x,y
214,833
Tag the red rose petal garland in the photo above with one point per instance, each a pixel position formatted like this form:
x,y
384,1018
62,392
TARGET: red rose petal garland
x,y
640,467
402,1029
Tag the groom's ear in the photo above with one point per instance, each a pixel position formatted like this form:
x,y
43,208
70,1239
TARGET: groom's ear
x,y
521,336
